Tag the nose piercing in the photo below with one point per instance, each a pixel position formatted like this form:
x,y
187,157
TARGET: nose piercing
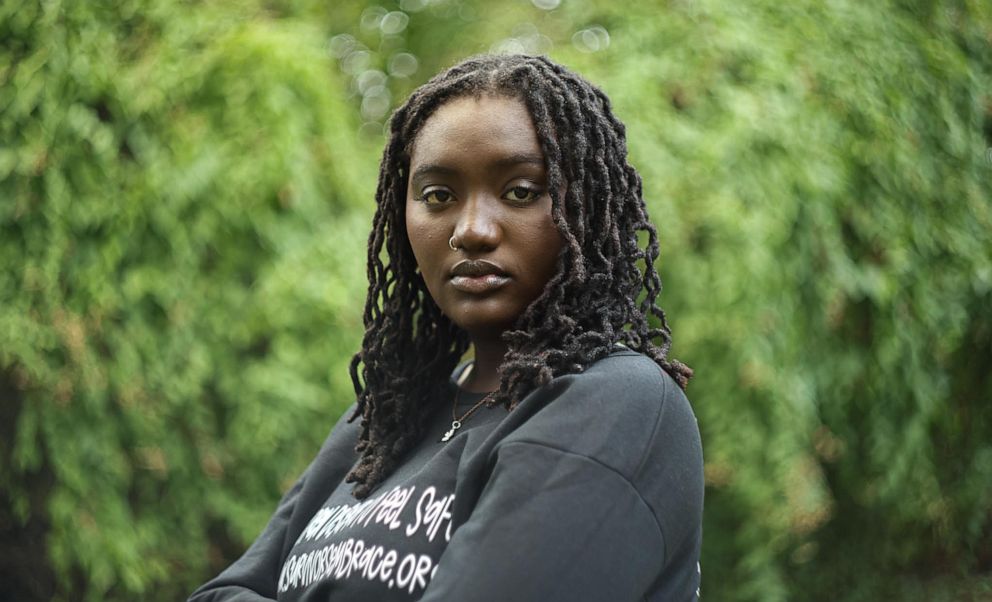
x,y
451,243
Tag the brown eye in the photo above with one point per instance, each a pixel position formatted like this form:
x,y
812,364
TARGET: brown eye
x,y
522,194
436,197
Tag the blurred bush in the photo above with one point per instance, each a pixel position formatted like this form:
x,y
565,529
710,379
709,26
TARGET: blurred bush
x,y
819,176
182,244
184,196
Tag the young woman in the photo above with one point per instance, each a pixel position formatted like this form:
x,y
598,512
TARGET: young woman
x,y
563,461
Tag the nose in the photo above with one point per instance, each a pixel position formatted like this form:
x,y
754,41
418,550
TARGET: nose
x,y
477,229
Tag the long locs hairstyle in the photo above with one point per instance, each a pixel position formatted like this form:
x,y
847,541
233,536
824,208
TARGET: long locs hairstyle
x,y
598,298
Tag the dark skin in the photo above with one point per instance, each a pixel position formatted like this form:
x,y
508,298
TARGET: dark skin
x,y
478,180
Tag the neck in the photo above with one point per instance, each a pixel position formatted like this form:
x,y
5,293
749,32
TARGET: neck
x,y
485,371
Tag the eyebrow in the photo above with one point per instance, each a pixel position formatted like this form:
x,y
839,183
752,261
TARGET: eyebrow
x,y
508,161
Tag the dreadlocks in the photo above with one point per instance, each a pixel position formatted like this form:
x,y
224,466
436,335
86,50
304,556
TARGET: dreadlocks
x,y
410,348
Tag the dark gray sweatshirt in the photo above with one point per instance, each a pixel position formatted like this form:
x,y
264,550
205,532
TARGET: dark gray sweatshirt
x,y
591,489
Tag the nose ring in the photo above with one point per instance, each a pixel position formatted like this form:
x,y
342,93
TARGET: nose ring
x,y
451,243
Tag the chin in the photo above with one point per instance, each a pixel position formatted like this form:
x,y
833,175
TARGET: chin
x,y
483,325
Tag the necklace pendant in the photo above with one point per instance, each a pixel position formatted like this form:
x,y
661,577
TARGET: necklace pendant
x,y
455,425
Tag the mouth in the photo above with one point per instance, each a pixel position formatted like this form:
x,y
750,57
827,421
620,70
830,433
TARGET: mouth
x,y
477,276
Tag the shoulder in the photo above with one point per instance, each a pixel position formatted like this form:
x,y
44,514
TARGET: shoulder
x,y
623,411
636,378
337,454
624,414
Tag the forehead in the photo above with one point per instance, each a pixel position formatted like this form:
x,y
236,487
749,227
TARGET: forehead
x,y
472,127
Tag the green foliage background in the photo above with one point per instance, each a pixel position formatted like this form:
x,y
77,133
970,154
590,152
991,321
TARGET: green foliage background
x,y
185,190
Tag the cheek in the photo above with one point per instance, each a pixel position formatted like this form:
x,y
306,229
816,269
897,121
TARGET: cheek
x,y
547,243
423,238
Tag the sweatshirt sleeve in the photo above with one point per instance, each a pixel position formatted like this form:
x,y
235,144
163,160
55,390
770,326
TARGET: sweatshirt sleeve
x,y
551,525
254,576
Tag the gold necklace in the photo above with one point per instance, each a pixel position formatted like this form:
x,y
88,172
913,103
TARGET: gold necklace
x,y
456,422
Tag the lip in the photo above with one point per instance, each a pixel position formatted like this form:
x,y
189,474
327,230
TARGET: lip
x,y
475,268
477,276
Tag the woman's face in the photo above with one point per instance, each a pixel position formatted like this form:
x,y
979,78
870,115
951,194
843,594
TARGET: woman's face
x,y
477,174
